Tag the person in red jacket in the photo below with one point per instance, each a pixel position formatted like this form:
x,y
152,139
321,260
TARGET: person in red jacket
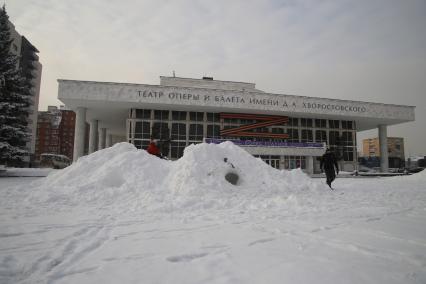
x,y
153,148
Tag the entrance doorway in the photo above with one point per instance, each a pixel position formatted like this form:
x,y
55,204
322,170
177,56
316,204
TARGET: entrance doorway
x,y
285,162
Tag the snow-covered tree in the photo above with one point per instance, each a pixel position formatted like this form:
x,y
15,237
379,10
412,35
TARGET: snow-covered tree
x,y
15,98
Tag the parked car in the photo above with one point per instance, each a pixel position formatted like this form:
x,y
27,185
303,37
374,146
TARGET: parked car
x,y
54,161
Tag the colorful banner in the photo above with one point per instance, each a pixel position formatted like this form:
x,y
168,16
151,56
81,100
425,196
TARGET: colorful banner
x,y
267,143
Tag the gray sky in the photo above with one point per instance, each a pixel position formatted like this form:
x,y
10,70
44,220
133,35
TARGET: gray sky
x,y
364,50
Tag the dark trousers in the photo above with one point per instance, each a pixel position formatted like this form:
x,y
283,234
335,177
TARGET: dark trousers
x,y
331,175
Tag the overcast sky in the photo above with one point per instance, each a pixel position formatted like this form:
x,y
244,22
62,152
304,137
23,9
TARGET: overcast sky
x,y
364,50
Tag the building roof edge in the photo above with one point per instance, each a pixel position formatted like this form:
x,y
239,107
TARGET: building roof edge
x,y
246,91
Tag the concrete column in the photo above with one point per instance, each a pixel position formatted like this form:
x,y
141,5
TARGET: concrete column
x,y
281,162
383,140
109,140
80,131
93,135
102,138
310,165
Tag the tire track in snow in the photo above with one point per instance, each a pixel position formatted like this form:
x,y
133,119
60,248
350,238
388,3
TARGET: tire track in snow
x,y
65,253
83,243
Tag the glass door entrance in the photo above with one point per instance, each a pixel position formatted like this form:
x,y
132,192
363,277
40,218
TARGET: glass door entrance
x,y
285,162
294,162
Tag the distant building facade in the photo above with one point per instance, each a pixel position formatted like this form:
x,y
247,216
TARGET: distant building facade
x,y
31,68
395,145
55,132
286,131
416,162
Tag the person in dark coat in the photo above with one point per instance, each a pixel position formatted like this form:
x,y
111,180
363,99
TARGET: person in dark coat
x,y
153,149
329,164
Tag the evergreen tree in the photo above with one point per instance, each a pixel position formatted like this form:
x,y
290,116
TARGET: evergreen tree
x,y
15,98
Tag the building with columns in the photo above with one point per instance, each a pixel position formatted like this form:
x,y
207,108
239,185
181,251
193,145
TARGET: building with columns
x,y
284,130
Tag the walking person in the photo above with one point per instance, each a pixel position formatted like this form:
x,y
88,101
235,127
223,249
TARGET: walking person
x,y
329,164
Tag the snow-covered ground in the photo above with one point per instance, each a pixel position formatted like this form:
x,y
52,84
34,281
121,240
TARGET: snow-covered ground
x,y
25,172
123,216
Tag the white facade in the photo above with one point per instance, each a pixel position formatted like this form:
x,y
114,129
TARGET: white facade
x,y
111,104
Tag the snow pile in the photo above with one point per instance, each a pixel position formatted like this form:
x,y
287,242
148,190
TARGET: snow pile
x,y
420,176
131,179
122,215
111,167
198,179
415,177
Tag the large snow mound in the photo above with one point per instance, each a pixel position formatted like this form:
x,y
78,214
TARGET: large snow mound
x,y
131,179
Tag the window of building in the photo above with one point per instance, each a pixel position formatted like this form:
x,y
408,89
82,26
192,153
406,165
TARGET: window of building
x,y
347,139
347,145
293,134
348,154
277,130
178,115
143,113
178,131
196,116
321,136
347,124
176,149
231,120
321,123
273,161
260,130
294,162
247,121
161,114
333,123
213,131
196,132
142,130
334,138
141,144
306,122
293,121
160,131
307,135
213,117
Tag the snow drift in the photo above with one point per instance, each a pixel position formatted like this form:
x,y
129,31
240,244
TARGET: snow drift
x,y
123,176
122,215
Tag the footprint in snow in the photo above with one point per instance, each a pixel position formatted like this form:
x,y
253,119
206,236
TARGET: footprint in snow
x,y
186,257
260,241
372,219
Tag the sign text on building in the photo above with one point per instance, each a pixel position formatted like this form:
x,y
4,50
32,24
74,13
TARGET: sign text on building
x,y
247,100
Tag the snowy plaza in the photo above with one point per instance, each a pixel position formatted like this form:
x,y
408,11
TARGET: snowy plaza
x,y
121,215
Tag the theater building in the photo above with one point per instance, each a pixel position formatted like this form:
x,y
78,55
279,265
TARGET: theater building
x,y
284,130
